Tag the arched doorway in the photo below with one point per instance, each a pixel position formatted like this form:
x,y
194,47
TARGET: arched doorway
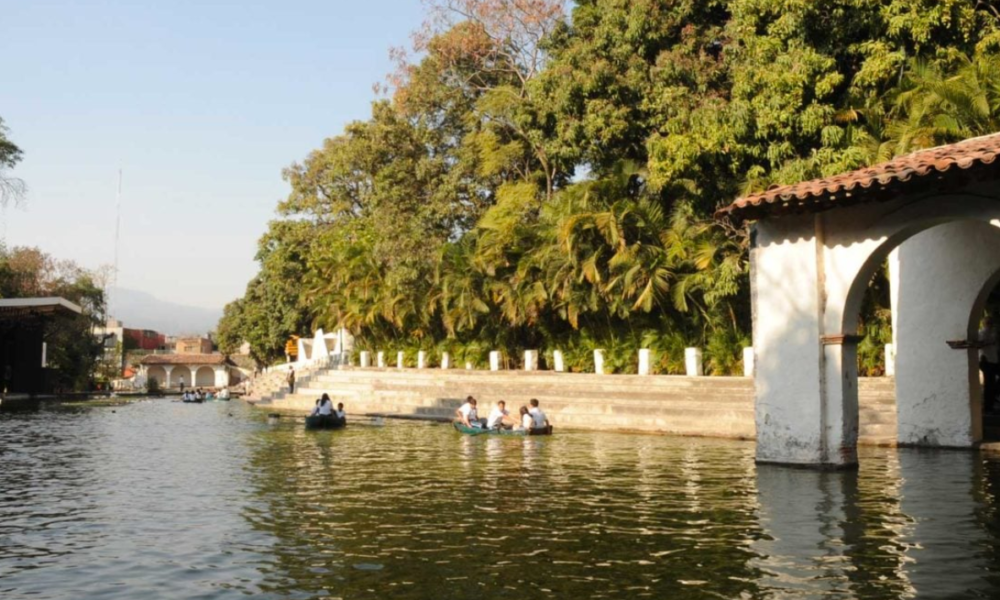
x,y
159,374
817,246
205,377
180,375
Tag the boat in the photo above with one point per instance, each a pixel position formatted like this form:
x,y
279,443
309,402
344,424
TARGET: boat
x,y
193,401
324,422
459,427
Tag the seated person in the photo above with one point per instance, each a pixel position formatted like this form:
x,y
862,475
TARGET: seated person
x,y
340,413
467,415
186,396
527,421
541,421
325,407
315,410
499,417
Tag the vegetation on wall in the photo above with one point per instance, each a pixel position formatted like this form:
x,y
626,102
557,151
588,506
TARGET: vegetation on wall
x,y
541,180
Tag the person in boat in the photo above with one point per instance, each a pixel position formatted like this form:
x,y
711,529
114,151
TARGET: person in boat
x,y
499,417
467,415
539,418
185,397
198,395
340,413
526,421
224,394
324,406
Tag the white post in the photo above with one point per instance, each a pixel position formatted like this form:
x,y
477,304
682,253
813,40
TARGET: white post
x,y
399,360
468,365
644,361
531,360
748,362
890,360
599,362
380,359
692,362
421,359
557,358
445,360
366,359
494,360
45,358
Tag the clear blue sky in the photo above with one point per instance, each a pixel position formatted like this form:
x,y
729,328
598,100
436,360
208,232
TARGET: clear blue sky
x,y
201,104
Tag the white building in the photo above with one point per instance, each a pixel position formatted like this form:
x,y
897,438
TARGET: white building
x,y
189,370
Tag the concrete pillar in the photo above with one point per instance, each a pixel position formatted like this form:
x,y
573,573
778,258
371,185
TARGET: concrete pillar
x,y
599,362
531,360
400,363
644,361
221,376
421,359
366,359
748,362
380,359
945,275
494,361
693,364
445,360
557,358
167,370
468,365
890,360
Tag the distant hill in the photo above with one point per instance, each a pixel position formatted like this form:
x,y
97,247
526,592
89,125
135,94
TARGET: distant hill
x,y
140,310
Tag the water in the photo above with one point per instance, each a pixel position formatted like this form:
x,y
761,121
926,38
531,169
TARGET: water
x,y
168,500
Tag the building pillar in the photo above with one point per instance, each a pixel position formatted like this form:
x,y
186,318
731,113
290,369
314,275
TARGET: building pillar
x,y
380,359
599,362
167,370
531,360
890,360
494,360
644,361
366,359
421,359
221,376
400,363
445,360
748,362
557,358
468,365
693,364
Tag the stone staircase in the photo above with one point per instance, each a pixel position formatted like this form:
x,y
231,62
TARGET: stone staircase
x,y
699,406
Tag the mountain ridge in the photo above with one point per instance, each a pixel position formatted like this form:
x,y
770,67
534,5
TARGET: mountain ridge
x,y
142,310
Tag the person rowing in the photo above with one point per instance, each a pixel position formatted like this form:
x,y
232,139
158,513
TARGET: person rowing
x,y
539,418
499,417
467,415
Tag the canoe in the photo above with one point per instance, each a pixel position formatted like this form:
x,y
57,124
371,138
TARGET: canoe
x,y
192,401
324,422
483,431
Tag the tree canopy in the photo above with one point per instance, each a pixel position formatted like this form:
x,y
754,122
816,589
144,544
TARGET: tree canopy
x,y
537,179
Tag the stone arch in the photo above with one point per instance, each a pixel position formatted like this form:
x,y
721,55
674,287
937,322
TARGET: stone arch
x,y
159,374
177,374
205,377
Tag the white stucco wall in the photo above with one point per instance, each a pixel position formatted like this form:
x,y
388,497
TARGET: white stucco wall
x,y
941,275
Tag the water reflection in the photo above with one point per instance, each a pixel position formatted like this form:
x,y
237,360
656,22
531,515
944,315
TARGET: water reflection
x,y
173,500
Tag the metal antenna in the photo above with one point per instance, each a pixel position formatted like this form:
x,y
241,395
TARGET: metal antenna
x,y
118,226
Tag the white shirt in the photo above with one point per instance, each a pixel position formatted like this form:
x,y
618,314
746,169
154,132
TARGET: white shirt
x,y
468,411
340,414
496,417
326,408
989,353
538,416
527,421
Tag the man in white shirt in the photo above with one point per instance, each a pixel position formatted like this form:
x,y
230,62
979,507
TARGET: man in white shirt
x,y
498,416
466,414
539,418
989,363
340,413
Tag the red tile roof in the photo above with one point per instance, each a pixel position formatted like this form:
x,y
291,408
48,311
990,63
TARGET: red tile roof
x,y
184,359
877,183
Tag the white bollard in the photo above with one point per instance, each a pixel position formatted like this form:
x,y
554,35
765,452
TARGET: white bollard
x,y
380,360
644,361
531,360
399,360
445,360
557,358
494,361
468,365
599,362
692,362
366,359
890,360
748,362
421,359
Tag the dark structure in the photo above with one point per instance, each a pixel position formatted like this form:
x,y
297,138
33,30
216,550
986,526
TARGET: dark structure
x,y
23,324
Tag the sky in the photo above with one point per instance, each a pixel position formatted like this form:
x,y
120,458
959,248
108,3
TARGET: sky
x,y
201,104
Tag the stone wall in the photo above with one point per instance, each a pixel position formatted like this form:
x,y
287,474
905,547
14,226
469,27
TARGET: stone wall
x,y
693,406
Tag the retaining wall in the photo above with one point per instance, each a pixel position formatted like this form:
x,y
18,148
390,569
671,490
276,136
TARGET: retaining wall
x,y
692,406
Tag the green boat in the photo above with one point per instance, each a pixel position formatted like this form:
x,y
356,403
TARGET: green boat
x,y
325,422
459,427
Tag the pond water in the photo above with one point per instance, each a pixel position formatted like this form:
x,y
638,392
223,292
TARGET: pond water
x,y
160,499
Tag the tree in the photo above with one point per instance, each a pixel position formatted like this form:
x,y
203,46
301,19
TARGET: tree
x,y
12,189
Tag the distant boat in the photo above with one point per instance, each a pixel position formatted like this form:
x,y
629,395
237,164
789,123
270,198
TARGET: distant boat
x,y
459,427
325,422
